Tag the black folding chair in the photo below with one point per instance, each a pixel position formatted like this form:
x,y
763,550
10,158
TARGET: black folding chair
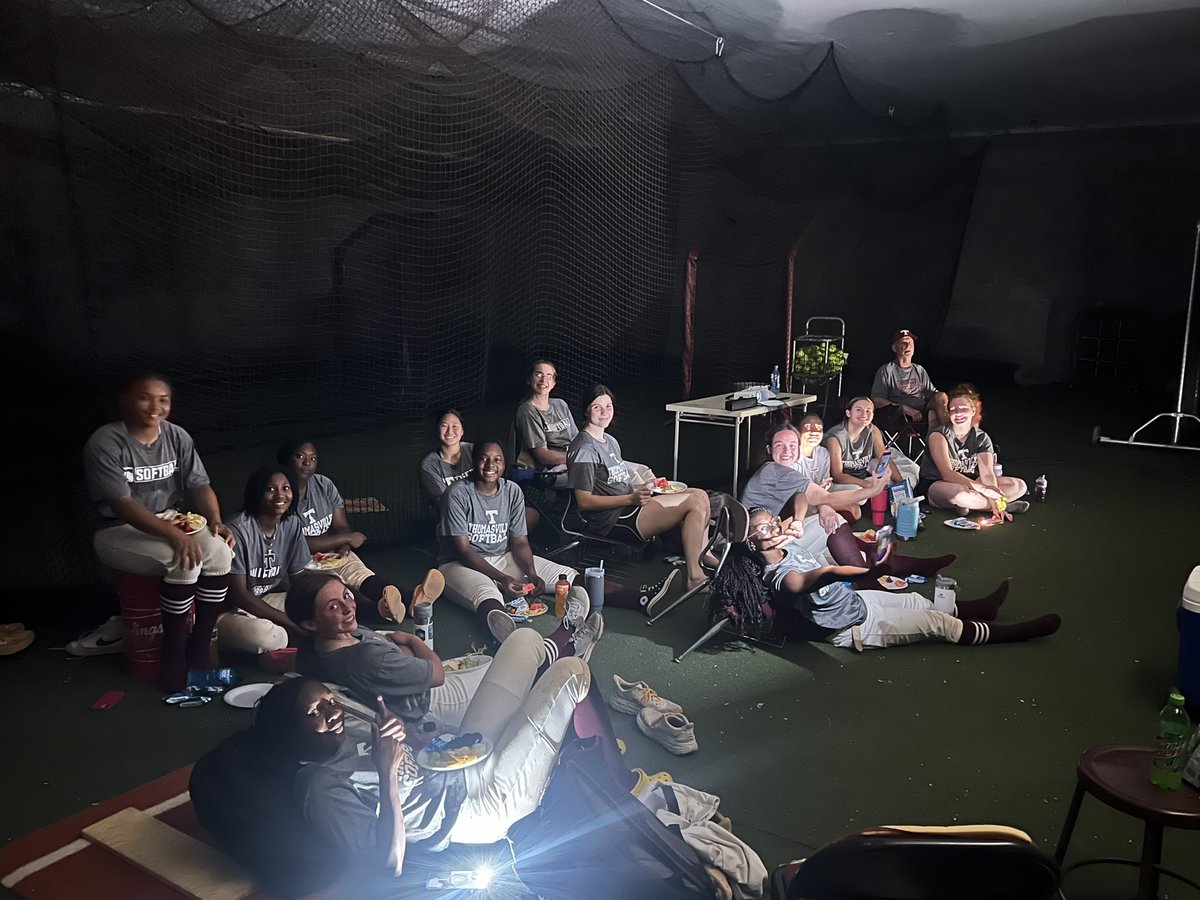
x,y
972,862
719,543
572,525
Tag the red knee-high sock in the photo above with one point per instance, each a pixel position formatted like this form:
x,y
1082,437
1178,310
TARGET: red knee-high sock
x,y
914,565
985,609
210,601
590,720
845,548
175,601
991,633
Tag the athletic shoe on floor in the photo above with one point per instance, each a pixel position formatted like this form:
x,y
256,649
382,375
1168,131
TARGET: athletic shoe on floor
x,y
961,511
634,696
108,638
587,633
1016,507
14,641
500,624
430,588
674,731
652,595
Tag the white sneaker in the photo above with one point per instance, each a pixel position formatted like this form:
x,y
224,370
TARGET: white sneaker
x,y
107,638
577,608
674,731
634,696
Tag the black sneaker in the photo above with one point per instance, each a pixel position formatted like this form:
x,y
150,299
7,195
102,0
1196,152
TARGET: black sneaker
x,y
652,595
1016,507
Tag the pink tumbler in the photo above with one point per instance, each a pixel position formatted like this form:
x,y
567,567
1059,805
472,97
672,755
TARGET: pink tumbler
x,y
879,508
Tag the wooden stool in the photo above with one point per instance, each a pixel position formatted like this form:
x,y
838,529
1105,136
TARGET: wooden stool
x,y
1120,777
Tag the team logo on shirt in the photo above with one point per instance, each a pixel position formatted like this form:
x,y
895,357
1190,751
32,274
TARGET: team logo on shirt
x,y
142,474
268,571
618,473
491,532
312,526
964,461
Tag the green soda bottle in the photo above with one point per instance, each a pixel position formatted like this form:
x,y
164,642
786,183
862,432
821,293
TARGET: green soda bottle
x,y
1173,729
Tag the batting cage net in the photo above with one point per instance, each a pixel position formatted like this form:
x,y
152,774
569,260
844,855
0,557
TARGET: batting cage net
x,y
333,219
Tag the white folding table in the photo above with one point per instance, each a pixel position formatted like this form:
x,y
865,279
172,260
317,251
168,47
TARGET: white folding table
x,y
712,411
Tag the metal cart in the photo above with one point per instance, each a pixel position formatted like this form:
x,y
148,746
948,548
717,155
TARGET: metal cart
x,y
819,357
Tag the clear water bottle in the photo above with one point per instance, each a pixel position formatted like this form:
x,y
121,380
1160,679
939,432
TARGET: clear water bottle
x,y
1174,726
1039,489
775,380
423,623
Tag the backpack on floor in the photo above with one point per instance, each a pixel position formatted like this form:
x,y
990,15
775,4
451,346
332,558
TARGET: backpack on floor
x,y
592,840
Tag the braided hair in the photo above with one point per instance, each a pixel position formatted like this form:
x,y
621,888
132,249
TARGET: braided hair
x,y
739,593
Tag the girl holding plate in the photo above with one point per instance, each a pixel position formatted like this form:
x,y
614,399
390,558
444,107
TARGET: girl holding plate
x,y
322,513
616,498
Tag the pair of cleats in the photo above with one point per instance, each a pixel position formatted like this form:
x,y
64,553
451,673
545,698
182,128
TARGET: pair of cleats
x,y
658,718
391,604
14,638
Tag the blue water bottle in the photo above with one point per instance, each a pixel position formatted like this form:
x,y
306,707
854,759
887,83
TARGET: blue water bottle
x,y
908,517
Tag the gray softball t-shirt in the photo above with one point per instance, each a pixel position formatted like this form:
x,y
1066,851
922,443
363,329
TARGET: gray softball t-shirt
x,y
964,454
437,475
377,667
909,387
773,485
836,606
816,467
154,475
856,454
266,562
486,521
553,428
597,466
316,508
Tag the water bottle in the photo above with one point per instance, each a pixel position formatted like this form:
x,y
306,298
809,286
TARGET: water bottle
x,y
775,382
945,591
211,678
1174,726
999,469
1039,489
423,623
908,518
562,592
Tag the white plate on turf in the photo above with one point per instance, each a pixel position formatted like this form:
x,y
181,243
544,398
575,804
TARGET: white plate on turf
x,y
892,583
248,695
326,563
963,524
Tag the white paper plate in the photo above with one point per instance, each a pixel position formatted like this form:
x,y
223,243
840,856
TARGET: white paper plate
x,y
892,583
331,562
484,747
248,695
172,515
673,487
963,524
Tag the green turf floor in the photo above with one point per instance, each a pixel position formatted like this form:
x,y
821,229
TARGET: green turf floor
x,y
808,742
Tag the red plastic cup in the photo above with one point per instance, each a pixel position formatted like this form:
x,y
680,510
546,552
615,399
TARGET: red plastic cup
x,y
879,508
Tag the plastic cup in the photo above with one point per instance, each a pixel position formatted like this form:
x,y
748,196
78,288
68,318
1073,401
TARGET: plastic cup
x,y
593,583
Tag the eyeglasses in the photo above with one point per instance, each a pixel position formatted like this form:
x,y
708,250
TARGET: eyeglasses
x,y
545,376
765,528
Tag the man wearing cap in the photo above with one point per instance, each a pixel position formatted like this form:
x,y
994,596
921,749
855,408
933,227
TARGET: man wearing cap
x,y
903,392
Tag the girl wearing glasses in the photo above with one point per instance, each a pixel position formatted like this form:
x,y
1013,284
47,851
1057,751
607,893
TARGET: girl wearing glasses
x,y
544,425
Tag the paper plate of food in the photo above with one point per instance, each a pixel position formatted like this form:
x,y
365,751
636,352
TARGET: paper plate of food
x,y
529,610
188,523
963,523
665,486
323,562
463,663
892,583
448,752
868,536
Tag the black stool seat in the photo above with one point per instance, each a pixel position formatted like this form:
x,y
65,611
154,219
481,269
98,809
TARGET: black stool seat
x,y
1119,777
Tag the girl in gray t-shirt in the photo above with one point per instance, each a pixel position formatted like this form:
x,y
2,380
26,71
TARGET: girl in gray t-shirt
x,y
270,550
959,469
321,512
450,462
